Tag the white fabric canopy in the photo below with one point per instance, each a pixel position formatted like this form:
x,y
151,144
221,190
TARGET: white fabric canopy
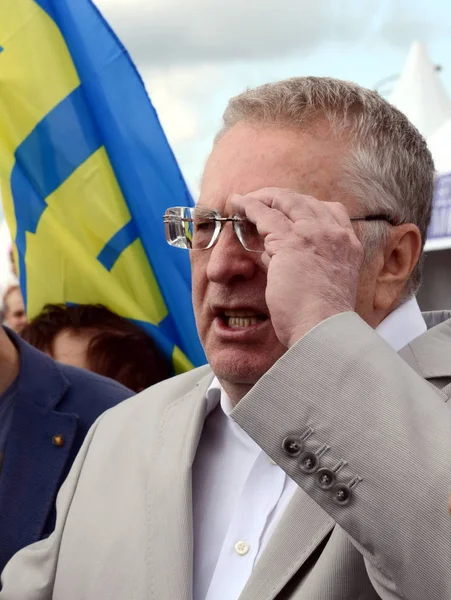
x,y
420,94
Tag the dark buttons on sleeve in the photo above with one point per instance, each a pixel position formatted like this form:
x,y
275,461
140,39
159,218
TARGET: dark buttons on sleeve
x,y
341,495
325,479
308,462
292,445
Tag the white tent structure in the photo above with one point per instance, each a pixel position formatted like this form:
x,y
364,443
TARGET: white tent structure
x,y
420,94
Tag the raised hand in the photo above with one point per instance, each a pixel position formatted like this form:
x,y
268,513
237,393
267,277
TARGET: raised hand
x,y
312,255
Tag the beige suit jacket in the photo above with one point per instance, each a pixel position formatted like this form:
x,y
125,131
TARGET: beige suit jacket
x,y
124,526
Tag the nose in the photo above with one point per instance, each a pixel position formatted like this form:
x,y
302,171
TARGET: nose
x,y
228,260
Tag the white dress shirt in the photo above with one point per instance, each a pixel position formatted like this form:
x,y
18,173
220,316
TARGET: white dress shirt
x,y
239,494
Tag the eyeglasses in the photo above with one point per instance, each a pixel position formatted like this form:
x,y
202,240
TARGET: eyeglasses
x,y
198,228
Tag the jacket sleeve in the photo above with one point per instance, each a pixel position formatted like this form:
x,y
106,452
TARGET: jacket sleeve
x,y
30,574
342,400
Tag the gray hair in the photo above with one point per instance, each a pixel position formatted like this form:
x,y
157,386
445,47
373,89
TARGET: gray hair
x,y
389,168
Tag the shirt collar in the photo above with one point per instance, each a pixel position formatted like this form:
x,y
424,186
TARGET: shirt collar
x,y
400,328
402,325
216,395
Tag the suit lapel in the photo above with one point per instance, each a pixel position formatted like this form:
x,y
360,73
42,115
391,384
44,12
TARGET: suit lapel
x,y
429,354
171,527
31,473
294,540
33,465
303,526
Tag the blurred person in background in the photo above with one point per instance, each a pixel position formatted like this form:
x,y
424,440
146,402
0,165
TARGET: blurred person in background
x,y
14,314
46,409
94,338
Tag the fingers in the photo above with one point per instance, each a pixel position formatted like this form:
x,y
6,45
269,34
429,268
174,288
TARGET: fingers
x,y
288,220
287,202
266,218
272,202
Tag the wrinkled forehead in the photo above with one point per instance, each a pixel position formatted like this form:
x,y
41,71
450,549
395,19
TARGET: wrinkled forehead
x,y
249,157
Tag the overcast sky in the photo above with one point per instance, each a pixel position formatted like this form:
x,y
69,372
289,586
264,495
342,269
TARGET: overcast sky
x,y
195,54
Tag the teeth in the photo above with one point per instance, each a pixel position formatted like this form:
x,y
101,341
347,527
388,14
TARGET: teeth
x,y
242,318
242,321
239,313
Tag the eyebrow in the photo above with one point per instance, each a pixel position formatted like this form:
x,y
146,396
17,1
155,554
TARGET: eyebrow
x,y
201,208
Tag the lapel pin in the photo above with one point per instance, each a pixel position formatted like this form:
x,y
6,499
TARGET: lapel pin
x,y
58,440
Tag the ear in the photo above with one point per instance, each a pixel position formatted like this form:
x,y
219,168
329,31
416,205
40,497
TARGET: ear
x,y
401,254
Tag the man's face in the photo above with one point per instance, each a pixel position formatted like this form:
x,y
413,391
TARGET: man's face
x,y
228,282
15,315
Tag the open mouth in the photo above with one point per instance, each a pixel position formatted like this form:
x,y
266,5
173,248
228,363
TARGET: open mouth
x,y
242,319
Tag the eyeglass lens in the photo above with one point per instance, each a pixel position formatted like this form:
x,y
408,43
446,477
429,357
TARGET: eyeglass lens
x,y
197,228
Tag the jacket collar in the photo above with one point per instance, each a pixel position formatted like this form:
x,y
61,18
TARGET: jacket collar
x,y
429,354
40,380
179,434
436,317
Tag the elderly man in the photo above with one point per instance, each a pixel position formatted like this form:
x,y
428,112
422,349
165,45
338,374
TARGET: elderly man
x,y
309,461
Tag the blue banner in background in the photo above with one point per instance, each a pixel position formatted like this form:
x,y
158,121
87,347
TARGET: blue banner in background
x,y
87,173
440,226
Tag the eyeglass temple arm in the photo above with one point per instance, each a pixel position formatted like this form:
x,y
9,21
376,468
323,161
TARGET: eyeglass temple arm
x,y
176,219
169,219
172,218
386,218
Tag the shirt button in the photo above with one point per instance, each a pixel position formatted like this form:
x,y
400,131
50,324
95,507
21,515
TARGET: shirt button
x,y
242,548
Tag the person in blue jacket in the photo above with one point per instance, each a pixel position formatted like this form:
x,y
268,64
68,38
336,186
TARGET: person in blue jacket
x,y
46,409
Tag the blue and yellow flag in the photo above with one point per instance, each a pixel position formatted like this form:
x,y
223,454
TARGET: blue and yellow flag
x,y
87,174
